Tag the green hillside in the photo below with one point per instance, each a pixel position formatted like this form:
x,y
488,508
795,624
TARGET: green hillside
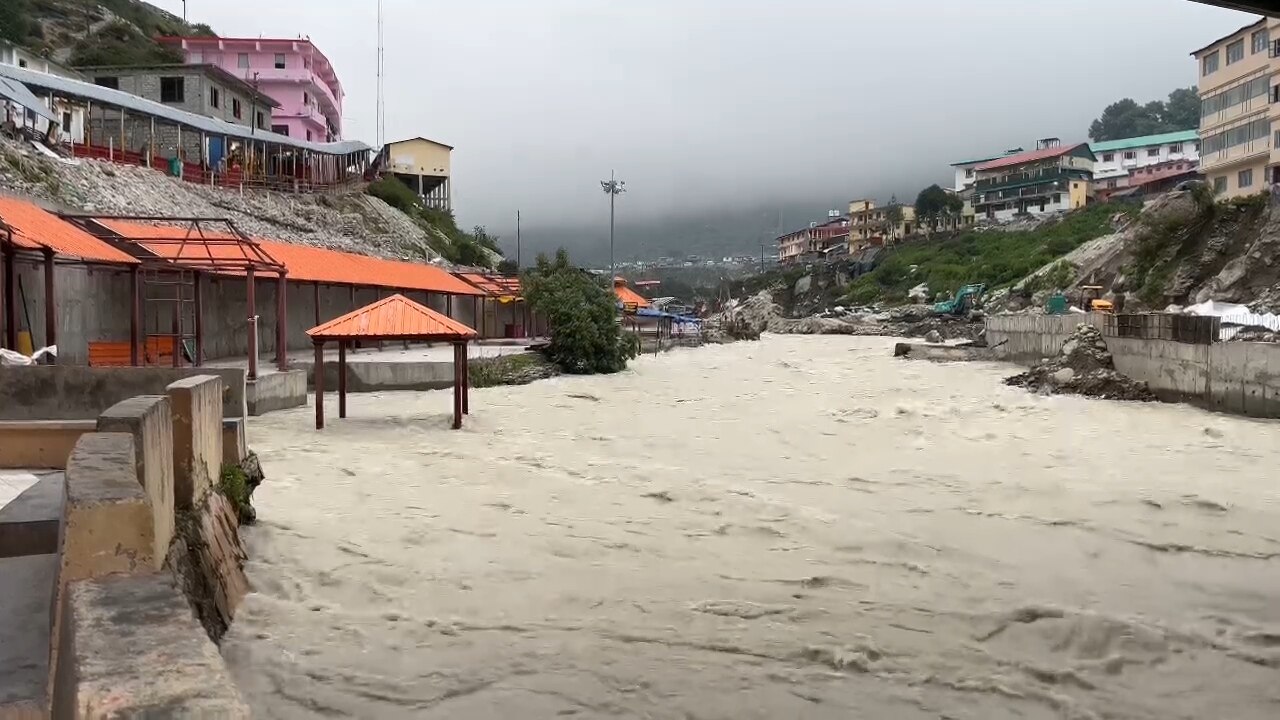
x,y
93,32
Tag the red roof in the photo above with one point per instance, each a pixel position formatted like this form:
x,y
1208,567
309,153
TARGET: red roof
x,y
35,229
628,296
1027,157
393,318
307,264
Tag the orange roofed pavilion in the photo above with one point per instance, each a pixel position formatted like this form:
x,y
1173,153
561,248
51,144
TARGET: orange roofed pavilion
x,y
393,318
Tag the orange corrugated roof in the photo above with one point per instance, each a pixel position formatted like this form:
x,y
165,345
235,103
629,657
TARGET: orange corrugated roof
x,y
627,295
311,264
34,229
396,317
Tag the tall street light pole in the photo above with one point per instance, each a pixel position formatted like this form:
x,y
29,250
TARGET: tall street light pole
x,y
613,187
517,241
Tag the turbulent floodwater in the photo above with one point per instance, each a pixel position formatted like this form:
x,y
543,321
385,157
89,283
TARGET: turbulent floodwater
x,y
798,528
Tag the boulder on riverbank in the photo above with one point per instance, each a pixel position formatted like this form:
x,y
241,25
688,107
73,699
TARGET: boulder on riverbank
x,y
1084,366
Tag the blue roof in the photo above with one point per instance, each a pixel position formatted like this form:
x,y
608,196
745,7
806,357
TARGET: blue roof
x,y
1182,136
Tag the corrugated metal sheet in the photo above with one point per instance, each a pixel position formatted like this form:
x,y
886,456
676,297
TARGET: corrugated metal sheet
x,y
309,264
626,296
33,229
213,126
1027,157
17,92
395,317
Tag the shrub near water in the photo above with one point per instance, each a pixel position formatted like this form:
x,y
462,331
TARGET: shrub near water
x,y
582,316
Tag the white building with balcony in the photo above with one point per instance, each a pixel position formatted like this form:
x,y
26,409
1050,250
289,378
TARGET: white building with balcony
x,y
1119,158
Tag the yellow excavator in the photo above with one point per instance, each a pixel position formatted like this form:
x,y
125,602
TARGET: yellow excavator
x,y
1091,300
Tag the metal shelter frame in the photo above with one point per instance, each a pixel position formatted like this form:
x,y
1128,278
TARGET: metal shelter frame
x,y
205,246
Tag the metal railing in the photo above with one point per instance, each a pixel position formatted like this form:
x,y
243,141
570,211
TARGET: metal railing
x,y
1012,179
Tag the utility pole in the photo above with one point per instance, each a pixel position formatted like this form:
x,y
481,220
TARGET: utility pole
x,y
518,241
761,258
184,10
613,187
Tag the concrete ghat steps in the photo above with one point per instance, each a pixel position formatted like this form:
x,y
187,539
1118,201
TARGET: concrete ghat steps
x,y
29,523
26,590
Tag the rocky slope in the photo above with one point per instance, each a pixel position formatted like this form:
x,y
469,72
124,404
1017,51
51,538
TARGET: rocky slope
x,y
353,221
1183,248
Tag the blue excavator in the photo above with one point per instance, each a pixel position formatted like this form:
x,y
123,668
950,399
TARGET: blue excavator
x,y
968,298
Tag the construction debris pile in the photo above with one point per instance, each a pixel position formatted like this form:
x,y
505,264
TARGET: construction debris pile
x,y
747,319
1083,366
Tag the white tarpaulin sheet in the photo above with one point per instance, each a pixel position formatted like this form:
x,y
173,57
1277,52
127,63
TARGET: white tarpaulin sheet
x,y
1234,317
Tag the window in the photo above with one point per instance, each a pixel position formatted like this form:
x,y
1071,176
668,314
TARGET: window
x,y
262,122
22,63
1220,184
308,136
1275,94
1153,152
1260,41
280,60
1209,65
280,130
1130,155
107,82
1109,157
1111,183
1276,141
306,98
235,108
1239,135
173,89
215,98
242,60
1175,148
66,122
1245,178
1235,51
968,173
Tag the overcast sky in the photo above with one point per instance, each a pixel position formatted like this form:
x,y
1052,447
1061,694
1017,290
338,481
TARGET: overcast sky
x,y
715,102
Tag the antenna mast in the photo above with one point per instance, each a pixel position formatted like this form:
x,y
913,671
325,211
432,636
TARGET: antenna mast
x,y
382,108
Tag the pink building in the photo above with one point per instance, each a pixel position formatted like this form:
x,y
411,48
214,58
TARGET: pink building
x,y
292,72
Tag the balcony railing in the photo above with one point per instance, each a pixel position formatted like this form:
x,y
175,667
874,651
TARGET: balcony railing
x,y
1045,175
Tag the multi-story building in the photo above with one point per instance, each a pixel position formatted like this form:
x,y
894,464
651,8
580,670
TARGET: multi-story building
x,y
869,224
11,54
293,72
201,89
1052,178
816,241
1237,106
1118,157
423,165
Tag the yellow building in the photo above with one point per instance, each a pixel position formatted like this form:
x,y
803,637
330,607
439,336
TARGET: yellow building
x,y
423,165
869,224
1237,153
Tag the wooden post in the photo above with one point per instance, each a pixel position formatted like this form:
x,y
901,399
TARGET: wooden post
x,y
479,319
448,305
10,301
319,370
252,301
316,290
198,296
135,317
457,387
50,306
466,381
282,323
342,378
175,326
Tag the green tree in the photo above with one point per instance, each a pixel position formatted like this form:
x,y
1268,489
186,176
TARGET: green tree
x,y
934,204
892,218
581,313
508,267
1126,118
15,20
1182,110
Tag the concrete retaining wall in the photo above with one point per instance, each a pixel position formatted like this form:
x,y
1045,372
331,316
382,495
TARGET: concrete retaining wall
x,y
149,420
276,391
367,376
65,392
197,438
40,443
1240,378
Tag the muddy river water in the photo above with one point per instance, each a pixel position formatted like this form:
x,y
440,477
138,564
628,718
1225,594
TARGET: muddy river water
x,y
796,528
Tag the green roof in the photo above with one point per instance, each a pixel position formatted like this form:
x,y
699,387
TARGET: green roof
x,y
1181,136
979,161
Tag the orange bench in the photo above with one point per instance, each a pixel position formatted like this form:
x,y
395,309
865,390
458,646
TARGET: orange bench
x,y
157,351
